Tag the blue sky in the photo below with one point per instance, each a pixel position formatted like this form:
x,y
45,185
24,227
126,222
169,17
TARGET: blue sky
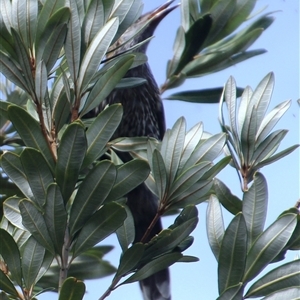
x,y
199,280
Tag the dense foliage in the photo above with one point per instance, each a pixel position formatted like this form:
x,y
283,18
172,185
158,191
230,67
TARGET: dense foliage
x,y
60,201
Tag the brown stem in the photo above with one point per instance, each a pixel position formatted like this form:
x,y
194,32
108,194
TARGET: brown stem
x,y
63,273
152,224
111,288
49,139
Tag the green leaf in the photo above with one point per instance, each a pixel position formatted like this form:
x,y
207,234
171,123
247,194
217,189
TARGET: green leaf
x,y
10,70
268,146
26,20
214,225
129,176
159,173
231,202
12,166
217,168
283,277
214,60
171,148
41,81
268,245
231,102
102,223
107,82
233,293
195,195
194,42
167,240
91,194
241,11
53,46
207,151
133,144
72,289
126,233
89,265
32,261
70,156
261,96
7,286
93,20
30,132
271,119
130,82
192,139
11,255
6,10
130,259
3,296
37,173
51,15
95,52
255,204
33,220
154,266
276,157
12,212
24,61
47,261
61,110
212,95
55,216
178,48
187,180
221,12
289,293
73,42
100,132
233,251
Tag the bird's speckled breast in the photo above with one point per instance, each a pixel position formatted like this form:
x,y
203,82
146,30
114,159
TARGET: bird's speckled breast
x,y
143,112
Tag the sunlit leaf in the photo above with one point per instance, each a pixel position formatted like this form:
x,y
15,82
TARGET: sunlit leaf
x,y
283,277
33,220
37,173
232,256
55,216
214,225
130,259
268,245
30,132
92,193
95,52
32,260
73,42
129,176
102,223
255,204
107,82
154,266
71,153
11,255
72,289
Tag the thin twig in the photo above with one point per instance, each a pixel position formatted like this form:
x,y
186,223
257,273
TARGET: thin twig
x,y
110,288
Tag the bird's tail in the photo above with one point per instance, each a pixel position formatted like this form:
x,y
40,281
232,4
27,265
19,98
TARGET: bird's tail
x,y
143,206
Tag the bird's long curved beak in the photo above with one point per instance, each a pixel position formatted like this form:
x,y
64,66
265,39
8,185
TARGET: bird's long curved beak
x,y
159,13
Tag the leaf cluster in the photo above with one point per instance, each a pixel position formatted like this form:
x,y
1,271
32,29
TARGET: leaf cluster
x,y
207,42
63,186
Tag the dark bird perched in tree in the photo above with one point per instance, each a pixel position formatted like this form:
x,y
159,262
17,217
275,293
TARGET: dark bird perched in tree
x,y
143,115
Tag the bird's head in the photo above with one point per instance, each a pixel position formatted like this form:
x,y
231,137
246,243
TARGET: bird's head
x,y
141,30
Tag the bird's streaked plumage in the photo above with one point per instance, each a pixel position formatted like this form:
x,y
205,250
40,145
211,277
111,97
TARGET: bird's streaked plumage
x,y
143,115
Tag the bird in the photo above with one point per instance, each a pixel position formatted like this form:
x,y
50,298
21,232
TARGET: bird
x,y
143,115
